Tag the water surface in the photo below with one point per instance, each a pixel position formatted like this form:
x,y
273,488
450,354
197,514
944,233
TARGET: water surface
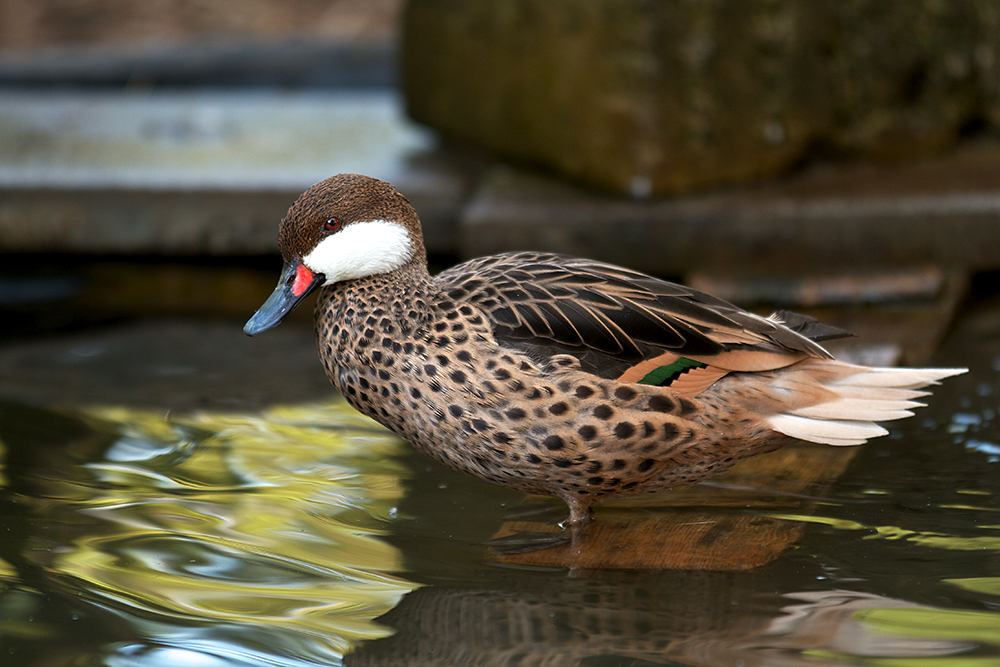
x,y
307,535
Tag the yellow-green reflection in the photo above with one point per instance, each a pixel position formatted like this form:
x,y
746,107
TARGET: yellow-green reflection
x,y
970,626
924,538
988,585
267,523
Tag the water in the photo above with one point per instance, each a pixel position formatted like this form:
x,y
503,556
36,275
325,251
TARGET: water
x,y
306,535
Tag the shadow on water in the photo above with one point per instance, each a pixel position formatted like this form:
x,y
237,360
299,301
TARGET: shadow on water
x,y
307,536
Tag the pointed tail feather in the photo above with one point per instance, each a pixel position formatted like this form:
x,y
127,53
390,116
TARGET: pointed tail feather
x,y
847,400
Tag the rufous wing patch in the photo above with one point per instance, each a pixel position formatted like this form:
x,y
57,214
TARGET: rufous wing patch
x,y
696,380
684,375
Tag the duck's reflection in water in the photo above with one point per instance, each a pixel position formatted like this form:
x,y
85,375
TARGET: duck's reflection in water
x,y
691,618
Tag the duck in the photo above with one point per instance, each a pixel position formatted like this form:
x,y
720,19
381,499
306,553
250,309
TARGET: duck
x,y
557,375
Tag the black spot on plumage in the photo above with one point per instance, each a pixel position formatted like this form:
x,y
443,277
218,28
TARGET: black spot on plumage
x,y
434,386
415,393
624,430
618,464
440,326
594,466
516,414
369,334
501,438
533,458
480,424
662,404
554,443
587,432
501,374
376,357
558,408
604,411
583,391
463,356
670,431
383,374
625,393
455,410
687,406
430,370
645,465
561,462
458,377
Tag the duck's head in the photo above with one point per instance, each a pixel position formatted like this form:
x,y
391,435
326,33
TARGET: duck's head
x,y
344,228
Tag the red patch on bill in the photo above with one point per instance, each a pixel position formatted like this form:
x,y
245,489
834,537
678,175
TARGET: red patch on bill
x,y
303,279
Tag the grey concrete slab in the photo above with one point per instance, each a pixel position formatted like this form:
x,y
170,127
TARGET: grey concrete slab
x,y
197,172
806,224
293,62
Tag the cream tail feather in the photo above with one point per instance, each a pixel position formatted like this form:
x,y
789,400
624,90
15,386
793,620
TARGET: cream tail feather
x,y
836,403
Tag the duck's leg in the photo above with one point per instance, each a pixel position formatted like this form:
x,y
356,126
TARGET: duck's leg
x,y
579,513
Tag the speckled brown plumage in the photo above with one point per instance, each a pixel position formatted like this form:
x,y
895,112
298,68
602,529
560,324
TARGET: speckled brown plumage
x,y
527,369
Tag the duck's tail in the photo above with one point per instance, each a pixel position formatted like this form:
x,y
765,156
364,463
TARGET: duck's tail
x,y
836,403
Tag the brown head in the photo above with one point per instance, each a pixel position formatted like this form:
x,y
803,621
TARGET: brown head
x,y
344,228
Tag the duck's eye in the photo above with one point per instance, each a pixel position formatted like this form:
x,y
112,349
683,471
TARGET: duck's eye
x,y
332,225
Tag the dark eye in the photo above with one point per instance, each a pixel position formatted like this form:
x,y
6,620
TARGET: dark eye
x,y
332,225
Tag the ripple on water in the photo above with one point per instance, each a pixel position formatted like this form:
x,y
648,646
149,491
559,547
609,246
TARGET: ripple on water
x,y
213,529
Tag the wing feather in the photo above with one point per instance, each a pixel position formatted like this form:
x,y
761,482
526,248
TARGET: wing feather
x,y
556,304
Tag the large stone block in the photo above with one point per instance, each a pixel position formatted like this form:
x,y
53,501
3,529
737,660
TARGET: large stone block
x,y
669,96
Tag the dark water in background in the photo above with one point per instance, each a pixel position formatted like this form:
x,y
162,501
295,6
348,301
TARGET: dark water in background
x,y
299,535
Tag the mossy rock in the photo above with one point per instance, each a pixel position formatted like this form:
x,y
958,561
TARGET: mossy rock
x,y
669,96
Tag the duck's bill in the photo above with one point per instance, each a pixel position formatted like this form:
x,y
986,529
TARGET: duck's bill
x,y
295,284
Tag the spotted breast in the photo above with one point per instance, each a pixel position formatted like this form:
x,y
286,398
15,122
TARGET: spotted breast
x,y
558,375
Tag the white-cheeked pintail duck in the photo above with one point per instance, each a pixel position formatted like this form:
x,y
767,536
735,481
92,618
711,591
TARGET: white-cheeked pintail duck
x,y
557,375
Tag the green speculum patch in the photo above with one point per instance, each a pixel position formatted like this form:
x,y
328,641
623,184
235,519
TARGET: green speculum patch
x,y
664,376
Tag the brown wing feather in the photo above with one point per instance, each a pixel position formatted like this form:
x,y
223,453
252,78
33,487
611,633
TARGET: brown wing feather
x,y
615,317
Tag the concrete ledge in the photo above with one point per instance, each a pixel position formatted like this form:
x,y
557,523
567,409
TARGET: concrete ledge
x,y
219,63
814,222
200,172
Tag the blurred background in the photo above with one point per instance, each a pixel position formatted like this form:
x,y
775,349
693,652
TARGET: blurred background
x,y
172,492
835,155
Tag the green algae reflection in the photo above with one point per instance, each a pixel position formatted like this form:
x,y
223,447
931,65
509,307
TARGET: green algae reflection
x,y
264,529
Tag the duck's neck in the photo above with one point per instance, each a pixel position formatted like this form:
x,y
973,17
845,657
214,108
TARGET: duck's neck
x,y
400,295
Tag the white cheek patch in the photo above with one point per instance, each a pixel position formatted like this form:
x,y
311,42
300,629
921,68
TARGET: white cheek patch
x,y
359,250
